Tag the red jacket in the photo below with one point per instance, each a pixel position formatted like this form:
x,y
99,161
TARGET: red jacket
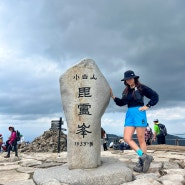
x,y
12,137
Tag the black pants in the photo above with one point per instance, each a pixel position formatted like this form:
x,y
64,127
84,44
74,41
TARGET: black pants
x,y
11,147
161,140
105,146
148,142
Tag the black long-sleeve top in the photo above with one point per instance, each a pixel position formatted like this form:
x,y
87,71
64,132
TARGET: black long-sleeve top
x,y
135,97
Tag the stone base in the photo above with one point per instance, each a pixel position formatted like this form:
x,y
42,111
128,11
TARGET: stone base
x,y
111,172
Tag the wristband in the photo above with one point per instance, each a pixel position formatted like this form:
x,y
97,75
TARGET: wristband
x,y
148,105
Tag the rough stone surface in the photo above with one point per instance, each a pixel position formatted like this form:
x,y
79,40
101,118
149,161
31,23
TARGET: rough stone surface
x,y
13,175
85,95
26,182
13,171
102,175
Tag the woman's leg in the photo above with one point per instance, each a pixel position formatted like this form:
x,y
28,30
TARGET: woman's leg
x,y
8,151
16,150
128,133
141,138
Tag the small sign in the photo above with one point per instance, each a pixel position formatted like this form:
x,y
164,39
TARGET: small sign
x,y
57,124
55,121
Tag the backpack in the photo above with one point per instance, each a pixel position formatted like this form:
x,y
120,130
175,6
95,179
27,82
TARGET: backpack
x,y
149,133
18,135
162,128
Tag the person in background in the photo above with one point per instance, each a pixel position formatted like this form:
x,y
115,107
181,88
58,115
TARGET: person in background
x,y
123,145
157,136
1,142
148,135
133,97
11,143
105,141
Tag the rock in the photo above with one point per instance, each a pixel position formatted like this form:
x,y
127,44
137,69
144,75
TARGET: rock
x,y
172,178
30,163
144,181
26,169
26,182
165,147
47,142
13,173
111,172
85,95
52,182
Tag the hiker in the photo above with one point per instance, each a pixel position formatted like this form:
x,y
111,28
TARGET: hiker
x,y
148,135
105,141
1,142
136,120
11,143
158,135
123,145
116,144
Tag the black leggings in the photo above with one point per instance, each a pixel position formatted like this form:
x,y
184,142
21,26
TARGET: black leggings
x,y
13,146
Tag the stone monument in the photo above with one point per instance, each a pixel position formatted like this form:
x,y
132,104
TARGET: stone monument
x,y
85,95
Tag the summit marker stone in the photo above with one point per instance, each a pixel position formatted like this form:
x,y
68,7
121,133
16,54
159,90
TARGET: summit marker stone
x,y
85,95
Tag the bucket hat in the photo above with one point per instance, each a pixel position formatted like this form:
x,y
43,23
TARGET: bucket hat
x,y
128,75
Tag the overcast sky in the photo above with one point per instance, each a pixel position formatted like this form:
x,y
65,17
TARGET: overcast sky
x,y
40,40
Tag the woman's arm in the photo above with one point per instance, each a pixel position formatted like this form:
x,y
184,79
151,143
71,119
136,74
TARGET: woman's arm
x,y
151,95
118,101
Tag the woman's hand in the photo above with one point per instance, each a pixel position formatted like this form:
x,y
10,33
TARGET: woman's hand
x,y
143,108
111,94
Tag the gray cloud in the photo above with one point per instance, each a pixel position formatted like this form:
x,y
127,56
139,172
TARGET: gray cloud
x,y
42,39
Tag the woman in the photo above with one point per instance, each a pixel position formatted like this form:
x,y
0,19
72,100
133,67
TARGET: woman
x,y
104,141
136,119
11,142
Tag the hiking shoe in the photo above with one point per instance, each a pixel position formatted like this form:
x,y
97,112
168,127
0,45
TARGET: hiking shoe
x,y
139,166
146,160
7,156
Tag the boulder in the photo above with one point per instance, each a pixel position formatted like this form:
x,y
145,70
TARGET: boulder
x,y
85,95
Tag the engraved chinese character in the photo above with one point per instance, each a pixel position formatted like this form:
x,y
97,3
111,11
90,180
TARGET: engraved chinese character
x,y
91,143
84,108
84,76
82,130
76,77
84,92
93,77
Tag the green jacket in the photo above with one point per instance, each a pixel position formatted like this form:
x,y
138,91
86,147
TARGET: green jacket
x,y
156,129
